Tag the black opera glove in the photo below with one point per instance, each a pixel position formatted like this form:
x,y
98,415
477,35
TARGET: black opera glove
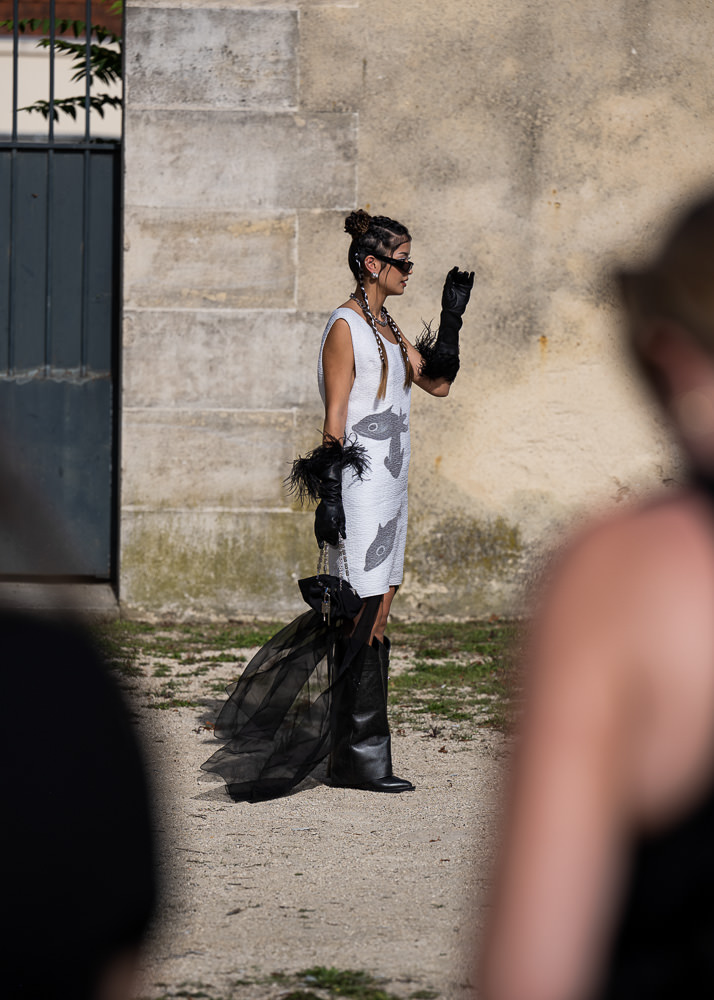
x,y
454,299
318,476
440,351
330,514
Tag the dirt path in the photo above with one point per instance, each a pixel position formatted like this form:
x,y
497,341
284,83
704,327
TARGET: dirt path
x,y
389,884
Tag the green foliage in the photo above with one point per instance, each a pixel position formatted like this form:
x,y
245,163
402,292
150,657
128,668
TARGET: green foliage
x,y
462,673
345,983
452,677
119,653
104,61
186,643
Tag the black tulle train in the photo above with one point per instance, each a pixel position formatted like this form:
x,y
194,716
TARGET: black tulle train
x,y
276,722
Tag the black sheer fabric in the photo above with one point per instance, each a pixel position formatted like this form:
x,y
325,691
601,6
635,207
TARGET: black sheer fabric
x,y
276,722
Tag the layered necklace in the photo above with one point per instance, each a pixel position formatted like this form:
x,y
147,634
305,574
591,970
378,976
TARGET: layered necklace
x,y
361,304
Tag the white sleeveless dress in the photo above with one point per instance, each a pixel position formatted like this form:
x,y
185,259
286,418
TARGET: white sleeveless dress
x,y
376,506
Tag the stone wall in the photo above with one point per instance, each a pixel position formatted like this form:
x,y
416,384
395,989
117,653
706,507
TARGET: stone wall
x,y
536,143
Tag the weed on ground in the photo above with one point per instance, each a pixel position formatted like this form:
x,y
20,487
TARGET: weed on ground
x,y
316,983
446,679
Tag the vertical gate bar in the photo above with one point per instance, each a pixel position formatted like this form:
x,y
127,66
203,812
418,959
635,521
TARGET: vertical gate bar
x,y
85,192
50,199
48,259
85,263
12,267
12,262
88,67
52,72
15,58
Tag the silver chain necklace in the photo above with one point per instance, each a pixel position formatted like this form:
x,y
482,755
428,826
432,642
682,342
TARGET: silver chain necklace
x,y
360,303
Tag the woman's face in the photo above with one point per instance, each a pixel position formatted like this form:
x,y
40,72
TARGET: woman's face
x,y
391,280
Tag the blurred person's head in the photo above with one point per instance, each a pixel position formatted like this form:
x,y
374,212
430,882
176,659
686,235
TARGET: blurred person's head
x,y
670,309
78,882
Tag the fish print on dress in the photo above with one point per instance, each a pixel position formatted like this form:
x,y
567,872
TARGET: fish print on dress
x,y
381,547
379,427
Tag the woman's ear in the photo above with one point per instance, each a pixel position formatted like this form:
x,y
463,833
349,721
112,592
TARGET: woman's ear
x,y
371,265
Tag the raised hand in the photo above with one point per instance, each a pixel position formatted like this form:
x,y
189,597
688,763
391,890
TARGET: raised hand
x,y
457,289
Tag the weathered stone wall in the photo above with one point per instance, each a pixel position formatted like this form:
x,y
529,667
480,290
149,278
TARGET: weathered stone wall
x,y
536,143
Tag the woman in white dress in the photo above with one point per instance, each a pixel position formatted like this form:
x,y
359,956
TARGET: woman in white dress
x,y
309,692
366,369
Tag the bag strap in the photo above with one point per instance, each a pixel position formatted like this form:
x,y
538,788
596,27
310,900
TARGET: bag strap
x,y
323,561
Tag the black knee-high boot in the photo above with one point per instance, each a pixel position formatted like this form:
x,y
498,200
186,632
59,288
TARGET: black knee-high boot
x,y
361,754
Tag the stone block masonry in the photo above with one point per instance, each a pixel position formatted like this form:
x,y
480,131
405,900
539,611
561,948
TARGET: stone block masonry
x,y
223,164
537,145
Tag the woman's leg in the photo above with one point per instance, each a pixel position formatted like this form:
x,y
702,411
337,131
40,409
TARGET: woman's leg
x,y
361,745
380,622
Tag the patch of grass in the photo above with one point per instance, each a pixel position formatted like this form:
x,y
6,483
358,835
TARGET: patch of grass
x,y
345,983
174,703
432,639
458,673
316,983
185,642
188,992
119,655
461,673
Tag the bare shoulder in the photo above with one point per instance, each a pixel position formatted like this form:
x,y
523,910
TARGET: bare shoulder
x,y
339,336
628,575
671,528
337,352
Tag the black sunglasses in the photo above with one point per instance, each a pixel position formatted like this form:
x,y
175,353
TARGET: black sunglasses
x,y
405,266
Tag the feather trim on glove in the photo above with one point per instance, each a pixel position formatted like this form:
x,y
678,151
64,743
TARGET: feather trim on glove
x,y
438,360
308,471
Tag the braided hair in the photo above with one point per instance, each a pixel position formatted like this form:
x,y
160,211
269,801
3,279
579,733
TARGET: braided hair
x,y
377,234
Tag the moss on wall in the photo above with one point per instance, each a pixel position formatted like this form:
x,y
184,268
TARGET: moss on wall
x,y
187,564
462,566
197,565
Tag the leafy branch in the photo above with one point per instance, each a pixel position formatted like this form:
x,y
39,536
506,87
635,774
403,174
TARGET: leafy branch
x,y
105,61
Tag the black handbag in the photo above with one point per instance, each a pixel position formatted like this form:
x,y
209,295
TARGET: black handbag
x,y
333,597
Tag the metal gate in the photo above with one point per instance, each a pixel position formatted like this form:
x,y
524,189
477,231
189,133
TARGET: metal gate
x,y
59,328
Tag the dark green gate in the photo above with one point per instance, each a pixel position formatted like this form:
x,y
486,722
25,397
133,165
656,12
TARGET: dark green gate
x,y
59,329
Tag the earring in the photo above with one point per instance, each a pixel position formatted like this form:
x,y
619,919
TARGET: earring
x,y
374,274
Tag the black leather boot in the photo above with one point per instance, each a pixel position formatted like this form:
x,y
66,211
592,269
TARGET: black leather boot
x,y
361,755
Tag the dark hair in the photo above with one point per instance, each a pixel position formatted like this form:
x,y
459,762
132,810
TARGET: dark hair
x,y
679,284
372,235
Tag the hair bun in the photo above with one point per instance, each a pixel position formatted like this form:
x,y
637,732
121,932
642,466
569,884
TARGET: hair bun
x,y
357,223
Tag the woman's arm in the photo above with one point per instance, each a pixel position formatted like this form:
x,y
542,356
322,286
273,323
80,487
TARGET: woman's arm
x,y
558,881
434,386
338,367
437,354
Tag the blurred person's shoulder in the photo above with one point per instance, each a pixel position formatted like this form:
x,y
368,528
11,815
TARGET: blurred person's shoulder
x,y
645,558
674,526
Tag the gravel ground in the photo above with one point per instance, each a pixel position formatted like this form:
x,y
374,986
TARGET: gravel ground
x,y
389,884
